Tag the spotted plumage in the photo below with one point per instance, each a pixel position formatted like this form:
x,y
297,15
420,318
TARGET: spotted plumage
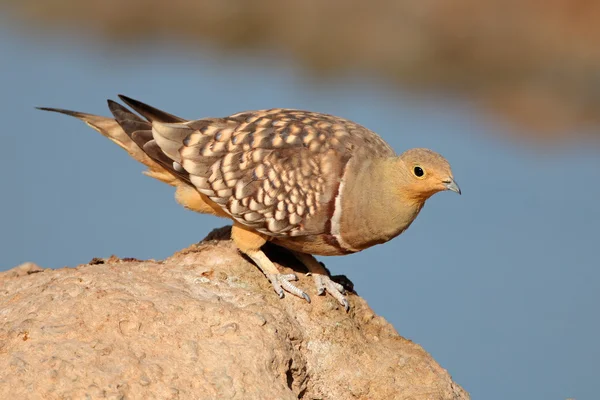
x,y
276,171
311,182
272,170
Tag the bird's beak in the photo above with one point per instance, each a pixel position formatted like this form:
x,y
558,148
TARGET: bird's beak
x,y
451,185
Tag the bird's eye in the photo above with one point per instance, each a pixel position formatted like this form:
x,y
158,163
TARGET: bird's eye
x,y
418,171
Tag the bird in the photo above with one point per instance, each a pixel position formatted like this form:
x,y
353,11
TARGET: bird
x,y
310,182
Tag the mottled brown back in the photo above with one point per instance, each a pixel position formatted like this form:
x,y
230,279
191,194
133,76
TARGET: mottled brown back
x,y
277,171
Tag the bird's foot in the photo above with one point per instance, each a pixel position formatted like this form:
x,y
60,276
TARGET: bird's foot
x,y
325,284
281,283
344,281
322,278
341,279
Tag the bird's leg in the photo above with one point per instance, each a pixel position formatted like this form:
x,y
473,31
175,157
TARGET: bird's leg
x,y
322,279
250,243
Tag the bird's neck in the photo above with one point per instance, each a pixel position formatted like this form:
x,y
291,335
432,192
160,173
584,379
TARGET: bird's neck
x,y
376,207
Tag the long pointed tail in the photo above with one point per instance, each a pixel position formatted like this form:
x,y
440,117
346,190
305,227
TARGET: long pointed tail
x,y
111,129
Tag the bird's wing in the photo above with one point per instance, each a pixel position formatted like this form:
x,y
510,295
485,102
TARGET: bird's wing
x,y
276,171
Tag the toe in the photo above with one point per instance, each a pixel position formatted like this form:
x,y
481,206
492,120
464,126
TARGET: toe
x,y
338,287
281,283
344,281
324,283
346,305
276,285
289,277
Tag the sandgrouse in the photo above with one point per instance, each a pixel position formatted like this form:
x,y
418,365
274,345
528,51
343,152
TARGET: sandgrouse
x,y
313,183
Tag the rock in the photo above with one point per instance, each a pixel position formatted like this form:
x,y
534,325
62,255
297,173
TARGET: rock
x,y
202,324
27,268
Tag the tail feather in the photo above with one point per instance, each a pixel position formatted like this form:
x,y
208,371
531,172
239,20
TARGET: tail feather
x,y
128,121
149,112
164,151
111,129
141,137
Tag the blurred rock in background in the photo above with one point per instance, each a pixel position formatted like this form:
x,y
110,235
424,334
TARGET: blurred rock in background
x,y
534,63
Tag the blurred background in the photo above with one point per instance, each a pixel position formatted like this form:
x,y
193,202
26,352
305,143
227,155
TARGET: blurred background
x,y
500,285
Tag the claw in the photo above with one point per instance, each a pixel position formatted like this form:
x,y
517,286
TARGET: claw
x,y
324,283
281,283
322,279
276,286
346,305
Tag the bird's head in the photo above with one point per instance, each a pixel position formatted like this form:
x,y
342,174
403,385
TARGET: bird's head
x,y
425,173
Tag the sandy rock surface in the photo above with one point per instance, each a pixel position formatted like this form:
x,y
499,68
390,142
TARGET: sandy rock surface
x,y
202,324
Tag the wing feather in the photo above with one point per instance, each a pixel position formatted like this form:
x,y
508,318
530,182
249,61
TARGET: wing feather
x,y
276,171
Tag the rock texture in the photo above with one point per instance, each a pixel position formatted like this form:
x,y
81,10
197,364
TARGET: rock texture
x,y
203,324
